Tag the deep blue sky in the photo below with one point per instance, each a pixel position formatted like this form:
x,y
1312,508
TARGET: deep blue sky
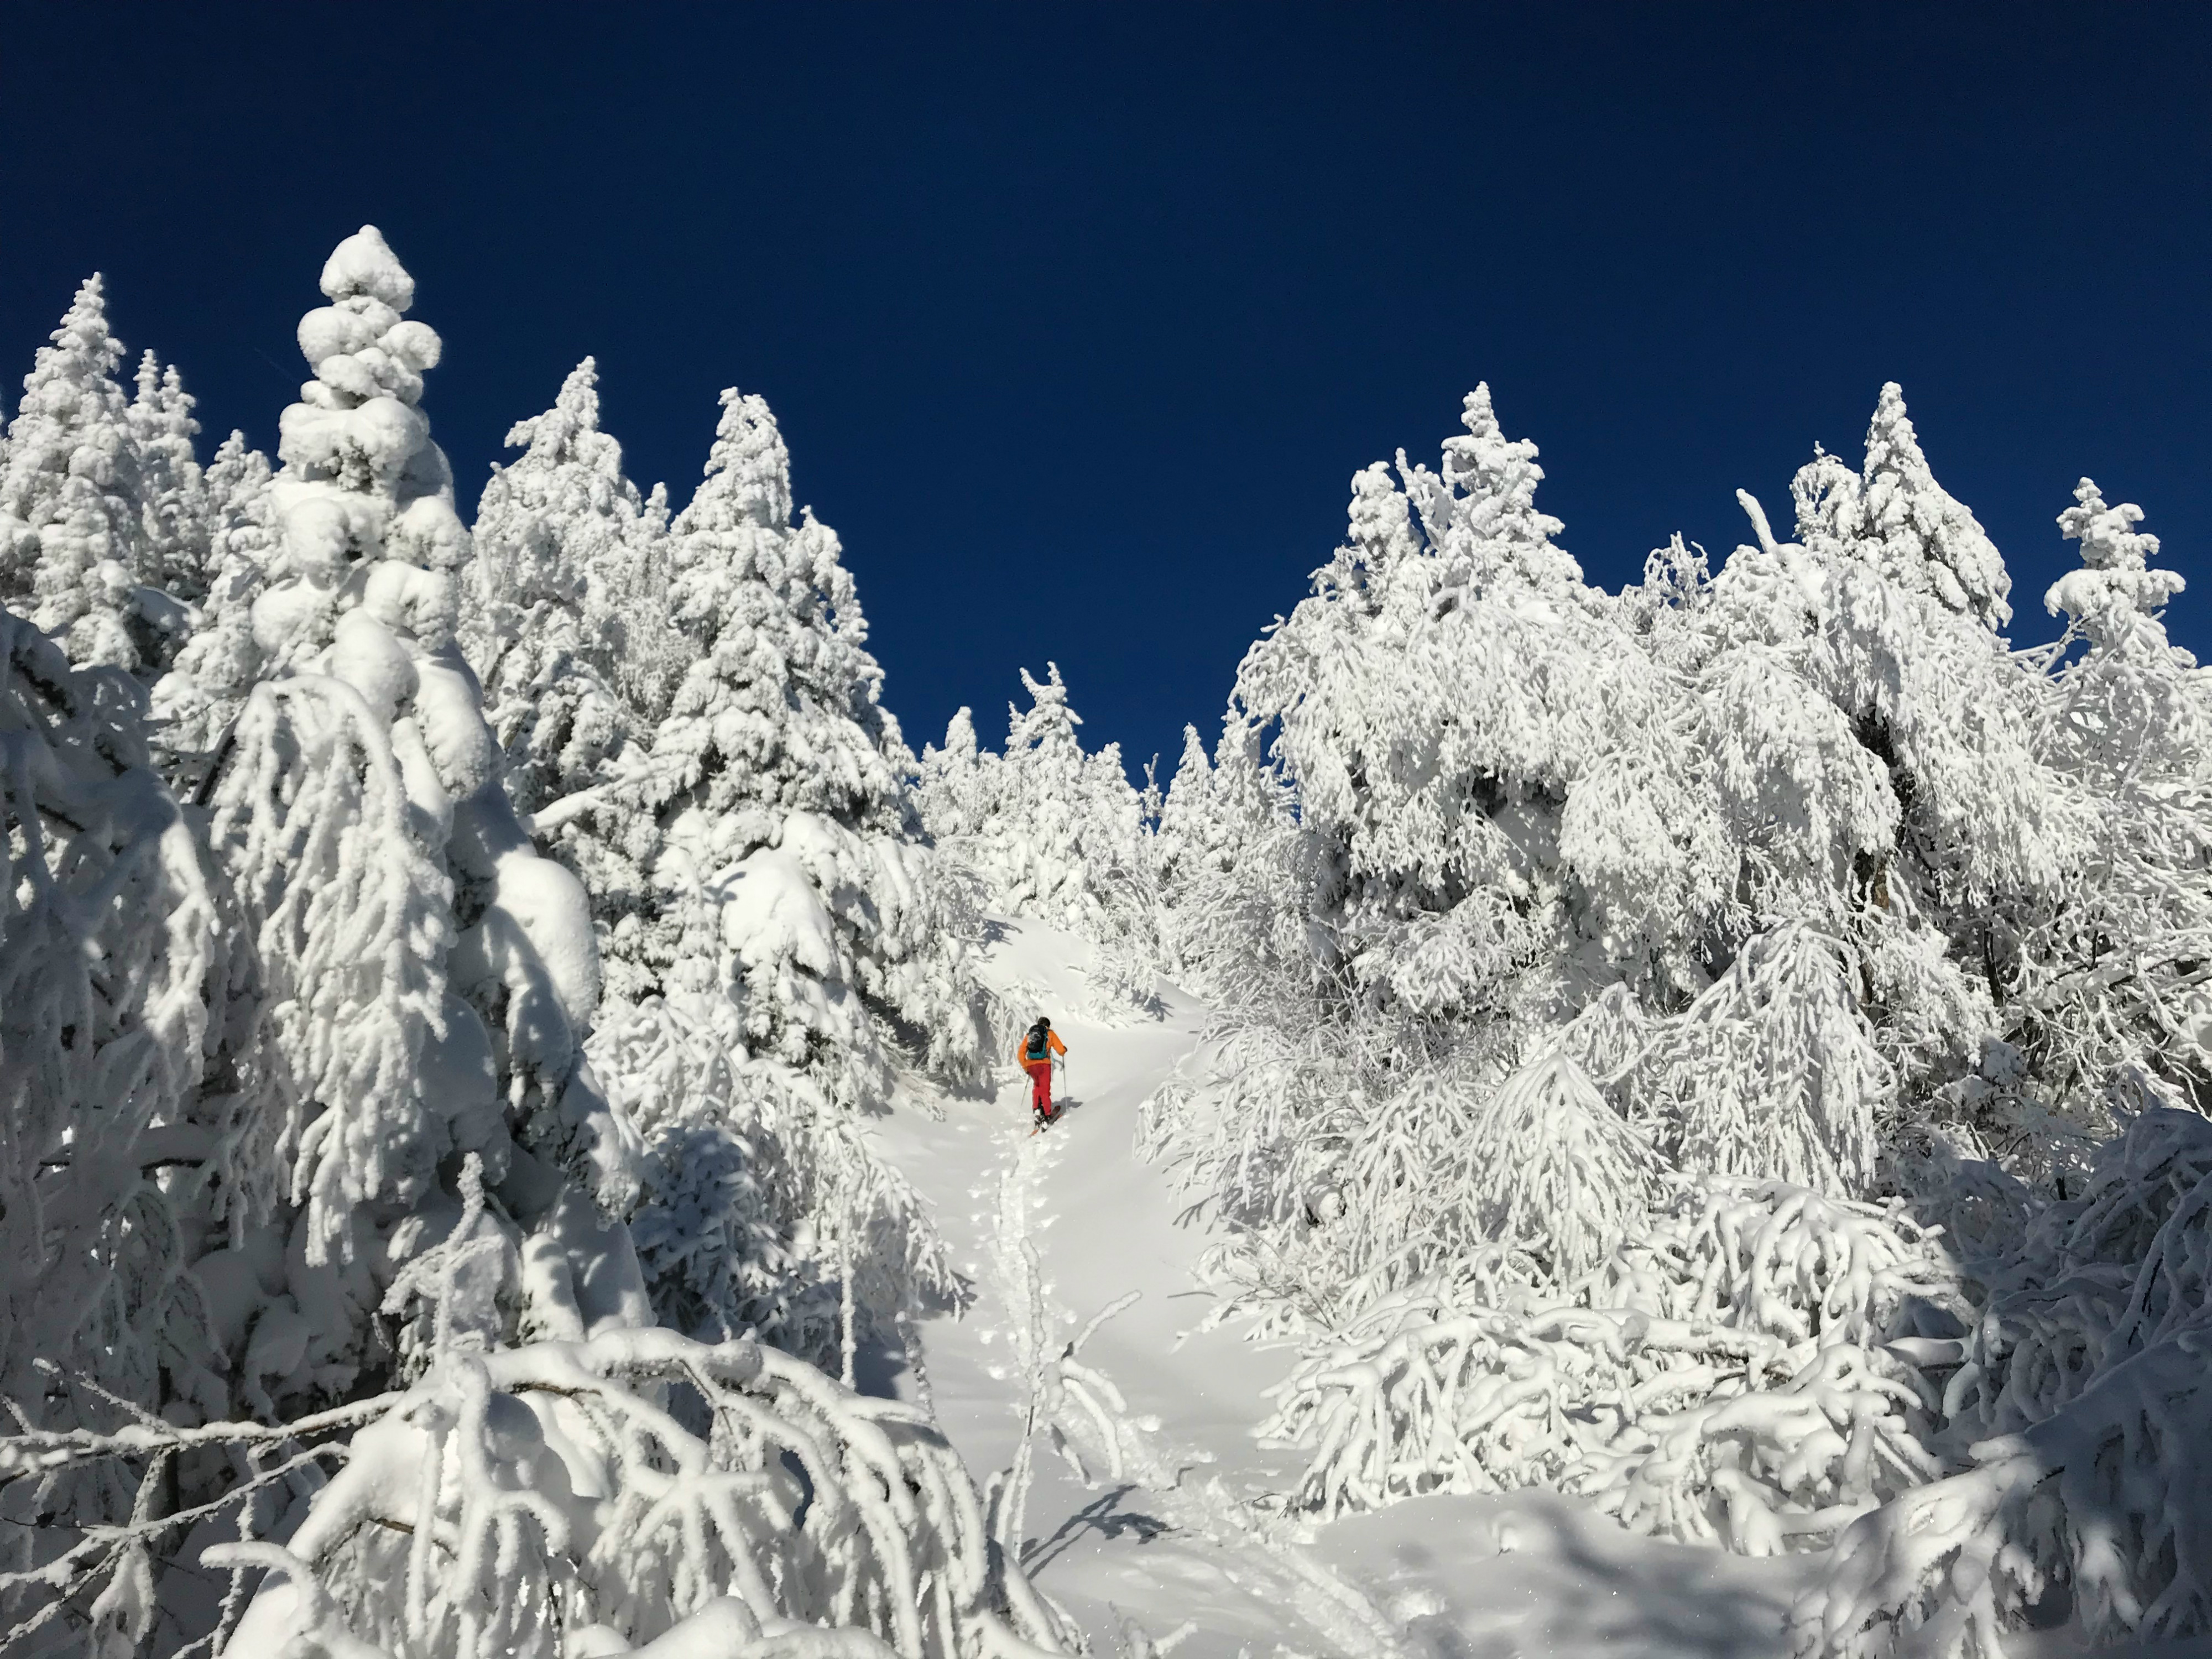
x,y
1078,319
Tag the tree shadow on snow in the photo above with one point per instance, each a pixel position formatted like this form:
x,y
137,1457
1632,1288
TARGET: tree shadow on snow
x,y
1665,1599
1102,1517
1574,1583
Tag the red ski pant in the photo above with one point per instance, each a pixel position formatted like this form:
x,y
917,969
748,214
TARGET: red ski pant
x,y
1040,1072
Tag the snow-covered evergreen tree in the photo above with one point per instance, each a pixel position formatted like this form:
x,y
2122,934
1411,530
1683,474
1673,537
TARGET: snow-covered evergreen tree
x,y
796,879
763,1206
139,1103
1498,791
298,1116
434,978
562,540
195,703
792,939
1893,516
1817,882
956,793
1233,872
565,619
73,531
1049,831
2116,591
1188,826
173,489
2109,964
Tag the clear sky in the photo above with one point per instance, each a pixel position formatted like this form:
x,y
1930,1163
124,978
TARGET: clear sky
x,y
1078,318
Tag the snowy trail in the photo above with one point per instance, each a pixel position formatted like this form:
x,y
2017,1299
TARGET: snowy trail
x,y
1053,1228
1056,1227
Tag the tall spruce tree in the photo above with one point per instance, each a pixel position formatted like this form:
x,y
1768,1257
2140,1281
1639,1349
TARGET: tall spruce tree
x,y
196,701
551,527
73,541
1892,515
565,620
798,882
172,487
434,979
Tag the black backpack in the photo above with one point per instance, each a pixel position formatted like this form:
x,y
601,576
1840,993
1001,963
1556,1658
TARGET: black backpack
x,y
1035,1048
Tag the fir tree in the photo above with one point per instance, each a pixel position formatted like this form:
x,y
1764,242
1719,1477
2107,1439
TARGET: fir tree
x,y
73,542
1049,831
565,623
1892,515
2129,720
173,489
434,979
798,930
957,787
545,523
2115,587
1466,726
195,703
795,875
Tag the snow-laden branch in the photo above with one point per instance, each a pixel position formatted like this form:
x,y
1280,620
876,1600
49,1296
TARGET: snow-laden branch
x,y
1730,1376
629,1482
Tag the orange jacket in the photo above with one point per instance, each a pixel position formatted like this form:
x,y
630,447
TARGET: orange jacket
x,y
1053,1046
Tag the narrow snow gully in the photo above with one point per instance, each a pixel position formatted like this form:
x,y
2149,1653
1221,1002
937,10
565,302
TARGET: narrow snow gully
x,y
1124,1449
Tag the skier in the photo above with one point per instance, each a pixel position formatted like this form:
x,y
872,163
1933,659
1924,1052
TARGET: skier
x,y
1038,1045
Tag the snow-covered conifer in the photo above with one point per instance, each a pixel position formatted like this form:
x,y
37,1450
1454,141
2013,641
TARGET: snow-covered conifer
x,y
1185,824
434,978
794,875
139,1094
789,1518
955,788
1235,874
794,932
1749,1371
762,1206
639,609
2081,1407
1892,516
298,1106
172,489
1765,852
1188,843
1479,512
556,536
1049,831
2109,961
195,703
1483,760
1774,1071
562,617
1878,751
73,534
2115,585
1074,823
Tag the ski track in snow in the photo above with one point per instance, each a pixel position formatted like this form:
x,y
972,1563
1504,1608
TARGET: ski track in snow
x,y
1055,1228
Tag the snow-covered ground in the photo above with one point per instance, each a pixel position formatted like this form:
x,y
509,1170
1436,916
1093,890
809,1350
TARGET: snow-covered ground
x,y
1183,1537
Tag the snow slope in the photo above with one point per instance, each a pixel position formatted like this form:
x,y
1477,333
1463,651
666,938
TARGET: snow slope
x,y
1055,1228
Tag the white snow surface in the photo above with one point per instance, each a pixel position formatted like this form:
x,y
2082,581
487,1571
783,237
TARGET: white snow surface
x,y
1185,1535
